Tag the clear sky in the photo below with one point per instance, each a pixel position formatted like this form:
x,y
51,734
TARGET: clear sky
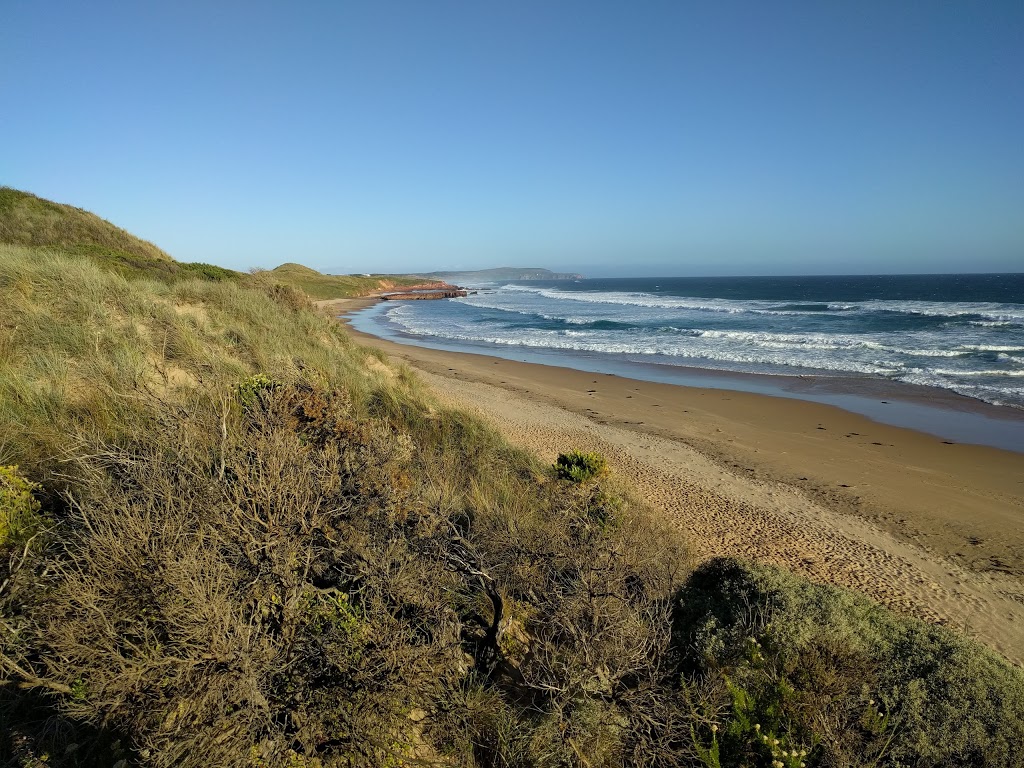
x,y
612,138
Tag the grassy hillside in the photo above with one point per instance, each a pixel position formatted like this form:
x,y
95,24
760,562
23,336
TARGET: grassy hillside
x,y
320,286
28,220
230,536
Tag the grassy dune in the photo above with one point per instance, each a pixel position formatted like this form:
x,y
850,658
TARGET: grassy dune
x,y
29,220
320,286
230,536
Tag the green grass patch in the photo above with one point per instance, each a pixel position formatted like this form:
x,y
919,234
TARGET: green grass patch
x,y
29,220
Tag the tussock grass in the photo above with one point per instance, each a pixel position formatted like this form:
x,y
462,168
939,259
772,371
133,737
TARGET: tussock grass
x,y
30,221
81,348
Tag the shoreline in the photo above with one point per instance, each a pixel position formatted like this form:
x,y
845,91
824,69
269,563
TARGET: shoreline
x,y
933,410
925,526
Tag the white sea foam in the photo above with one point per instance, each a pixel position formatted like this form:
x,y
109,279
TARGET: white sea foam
x,y
653,301
989,311
992,348
981,358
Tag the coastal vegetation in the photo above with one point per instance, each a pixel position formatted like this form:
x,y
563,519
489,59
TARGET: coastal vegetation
x,y
28,220
231,536
320,286
580,466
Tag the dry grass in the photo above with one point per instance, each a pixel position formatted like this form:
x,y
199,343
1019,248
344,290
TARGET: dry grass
x,y
79,347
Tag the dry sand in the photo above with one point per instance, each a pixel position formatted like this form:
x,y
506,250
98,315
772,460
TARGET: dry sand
x,y
927,527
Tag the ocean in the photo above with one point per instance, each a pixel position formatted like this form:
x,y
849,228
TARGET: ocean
x,y
953,334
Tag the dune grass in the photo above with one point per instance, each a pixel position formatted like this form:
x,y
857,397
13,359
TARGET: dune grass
x,y
320,286
29,220
83,346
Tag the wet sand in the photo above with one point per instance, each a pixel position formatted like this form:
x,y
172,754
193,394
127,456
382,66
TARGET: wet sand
x,y
928,527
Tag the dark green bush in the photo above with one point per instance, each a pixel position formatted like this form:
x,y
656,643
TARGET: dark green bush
x,y
19,510
206,271
580,466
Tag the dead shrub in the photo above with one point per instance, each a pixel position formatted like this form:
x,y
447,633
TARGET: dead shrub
x,y
267,594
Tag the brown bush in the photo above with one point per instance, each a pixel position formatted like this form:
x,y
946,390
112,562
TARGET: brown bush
x,y
278,582
265,594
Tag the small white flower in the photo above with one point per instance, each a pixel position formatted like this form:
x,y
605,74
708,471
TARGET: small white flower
x,y
757,726
714,729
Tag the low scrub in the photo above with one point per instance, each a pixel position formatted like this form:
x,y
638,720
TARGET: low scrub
x,y
580,466
802,673
277,581
19,509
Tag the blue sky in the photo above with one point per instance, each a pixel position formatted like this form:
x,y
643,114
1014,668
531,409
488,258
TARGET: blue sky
x,y
612,138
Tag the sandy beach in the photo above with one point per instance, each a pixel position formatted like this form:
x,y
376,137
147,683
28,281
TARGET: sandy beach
x,y
925,526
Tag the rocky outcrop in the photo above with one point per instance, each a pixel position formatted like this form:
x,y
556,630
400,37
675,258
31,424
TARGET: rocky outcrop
x,y
384,284
452,292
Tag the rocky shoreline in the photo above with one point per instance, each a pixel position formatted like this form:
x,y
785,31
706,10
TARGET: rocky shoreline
x,y
440,292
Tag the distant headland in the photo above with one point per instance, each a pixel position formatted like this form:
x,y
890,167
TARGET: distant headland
x,y
501,273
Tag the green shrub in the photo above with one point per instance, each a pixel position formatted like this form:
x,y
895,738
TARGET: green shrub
x,y
824,670
206,271
19,509
580,467
248,391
